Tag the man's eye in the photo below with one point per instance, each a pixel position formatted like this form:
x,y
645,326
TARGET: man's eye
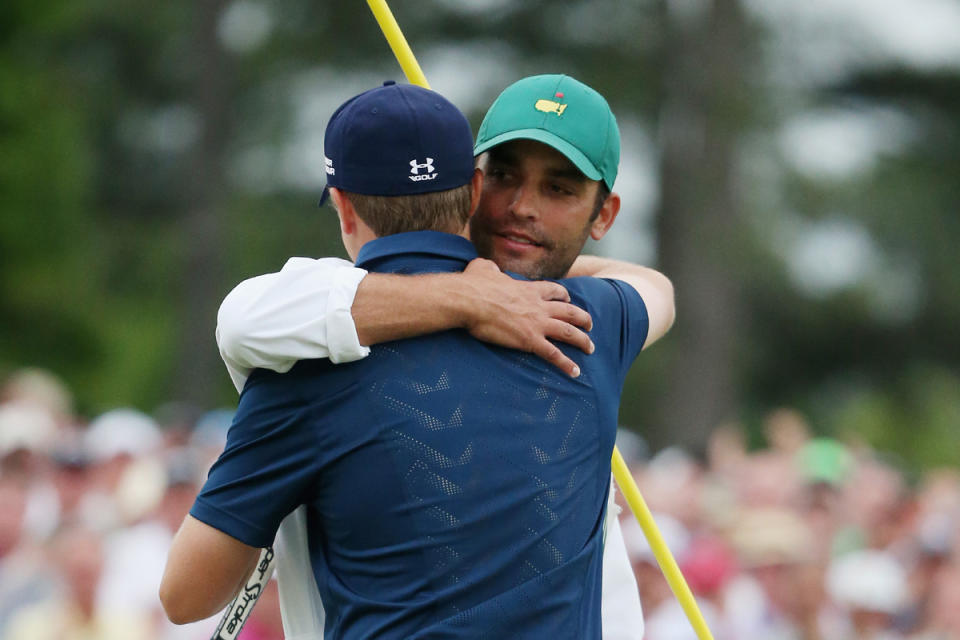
x,y
560,190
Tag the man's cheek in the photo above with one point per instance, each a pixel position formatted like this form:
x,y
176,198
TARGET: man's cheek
x,y
494,202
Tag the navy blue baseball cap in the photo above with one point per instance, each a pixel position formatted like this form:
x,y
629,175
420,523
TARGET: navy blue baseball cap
x,y
397,140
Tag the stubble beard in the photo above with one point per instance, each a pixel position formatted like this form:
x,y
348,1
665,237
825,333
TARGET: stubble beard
x,y
554,264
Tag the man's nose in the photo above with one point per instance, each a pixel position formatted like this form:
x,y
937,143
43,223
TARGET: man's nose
x,y
524,204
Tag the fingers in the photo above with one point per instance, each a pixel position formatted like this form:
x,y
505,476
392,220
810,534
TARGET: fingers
x,y
552,354
564,332
552,291
570,313
527,315
482,264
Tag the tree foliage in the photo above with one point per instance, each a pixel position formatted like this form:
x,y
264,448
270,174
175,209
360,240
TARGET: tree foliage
x,y
146,168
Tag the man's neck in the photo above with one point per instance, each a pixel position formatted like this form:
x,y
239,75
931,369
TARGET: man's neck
x,y
463,233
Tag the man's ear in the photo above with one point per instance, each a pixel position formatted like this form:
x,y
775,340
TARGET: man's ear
x,y
345,211
476,187
608,213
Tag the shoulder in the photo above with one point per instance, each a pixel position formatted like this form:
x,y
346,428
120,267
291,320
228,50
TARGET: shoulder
x,y
604,294
316,385
297,263
621,323
304,372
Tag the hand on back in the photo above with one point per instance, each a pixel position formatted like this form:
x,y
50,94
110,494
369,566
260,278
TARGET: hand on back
x,y
525,315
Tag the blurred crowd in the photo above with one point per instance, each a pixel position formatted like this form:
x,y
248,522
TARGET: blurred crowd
x,y
88,510
805,539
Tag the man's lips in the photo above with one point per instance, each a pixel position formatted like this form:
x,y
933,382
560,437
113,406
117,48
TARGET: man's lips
x,y
518,240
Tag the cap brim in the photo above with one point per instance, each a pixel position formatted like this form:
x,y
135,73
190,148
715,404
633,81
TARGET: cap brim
x,y
572,154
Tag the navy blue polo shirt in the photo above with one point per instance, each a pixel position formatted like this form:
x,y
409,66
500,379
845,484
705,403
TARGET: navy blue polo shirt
x,y
454,489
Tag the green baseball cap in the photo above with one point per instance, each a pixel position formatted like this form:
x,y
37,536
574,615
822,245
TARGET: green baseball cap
x,y
559,111
825,460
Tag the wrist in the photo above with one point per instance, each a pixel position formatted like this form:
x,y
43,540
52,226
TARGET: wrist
x,y
458,300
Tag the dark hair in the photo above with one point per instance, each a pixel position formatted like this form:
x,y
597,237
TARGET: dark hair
x,y
603,192
438,211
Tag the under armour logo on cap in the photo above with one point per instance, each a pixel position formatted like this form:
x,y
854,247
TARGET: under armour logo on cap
x,y
426,166
415,168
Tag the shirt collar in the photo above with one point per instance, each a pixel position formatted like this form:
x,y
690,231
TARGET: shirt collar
x,y
435,244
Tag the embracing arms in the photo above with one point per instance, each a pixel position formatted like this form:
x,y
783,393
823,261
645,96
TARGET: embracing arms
x,y
491,305
329,309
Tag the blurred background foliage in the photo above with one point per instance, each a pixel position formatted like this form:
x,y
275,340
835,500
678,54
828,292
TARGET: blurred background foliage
x,y
795,171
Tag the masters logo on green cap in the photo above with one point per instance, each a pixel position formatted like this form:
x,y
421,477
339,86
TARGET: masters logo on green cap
x,y
559,111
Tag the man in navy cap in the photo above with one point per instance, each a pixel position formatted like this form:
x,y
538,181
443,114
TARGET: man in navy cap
x,y
451,489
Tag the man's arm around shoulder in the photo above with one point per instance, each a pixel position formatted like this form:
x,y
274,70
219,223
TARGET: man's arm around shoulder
x,y
327,308
654,288
298,313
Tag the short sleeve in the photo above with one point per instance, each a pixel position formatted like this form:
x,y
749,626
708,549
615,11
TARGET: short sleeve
x,y
634,322
267,467
619,314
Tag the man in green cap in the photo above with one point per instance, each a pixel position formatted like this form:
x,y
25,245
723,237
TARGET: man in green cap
x,y
566,147
549,150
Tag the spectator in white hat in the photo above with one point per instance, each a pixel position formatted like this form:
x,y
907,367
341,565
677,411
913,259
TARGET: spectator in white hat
x,y
872,587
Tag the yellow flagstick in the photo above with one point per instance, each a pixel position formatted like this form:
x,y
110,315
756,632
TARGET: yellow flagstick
x,y
391,30
404,55
660,550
